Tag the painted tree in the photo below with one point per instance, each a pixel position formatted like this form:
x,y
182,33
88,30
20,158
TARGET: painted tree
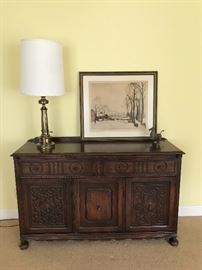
x,y
141,86
135,97
128,106
131,101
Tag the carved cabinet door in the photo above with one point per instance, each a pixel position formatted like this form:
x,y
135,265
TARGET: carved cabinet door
x,y
45,205
99,205
150,204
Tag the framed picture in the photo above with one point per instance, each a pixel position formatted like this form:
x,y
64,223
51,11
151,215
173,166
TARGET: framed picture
x,y
118,105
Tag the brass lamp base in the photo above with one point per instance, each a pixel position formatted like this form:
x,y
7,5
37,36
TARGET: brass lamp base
x,y
45,143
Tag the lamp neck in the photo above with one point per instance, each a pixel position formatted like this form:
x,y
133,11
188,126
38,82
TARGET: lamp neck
x,y
43,101
44,116
44,139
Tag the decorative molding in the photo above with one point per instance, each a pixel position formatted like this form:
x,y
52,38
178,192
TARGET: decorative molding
x,y
183,212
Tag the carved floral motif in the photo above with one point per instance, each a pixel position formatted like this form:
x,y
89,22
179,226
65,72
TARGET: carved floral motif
x,y
36,168
150,204
47,205
76,167
121,167
160,166
154,167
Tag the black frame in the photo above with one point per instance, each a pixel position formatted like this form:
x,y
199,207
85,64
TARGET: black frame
x,y
82,76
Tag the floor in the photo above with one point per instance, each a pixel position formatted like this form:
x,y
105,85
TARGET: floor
x,y
104,255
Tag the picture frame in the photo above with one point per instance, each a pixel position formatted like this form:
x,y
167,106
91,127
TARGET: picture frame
x,y
118,105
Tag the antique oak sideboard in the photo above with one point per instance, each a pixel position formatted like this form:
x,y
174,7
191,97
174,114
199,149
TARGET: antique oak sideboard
x,y
98,190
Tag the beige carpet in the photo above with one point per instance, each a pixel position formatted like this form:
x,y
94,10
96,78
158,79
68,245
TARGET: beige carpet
x,y
104,255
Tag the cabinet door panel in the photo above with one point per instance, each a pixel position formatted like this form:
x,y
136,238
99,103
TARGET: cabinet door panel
x,y
99,205
46,205
150,204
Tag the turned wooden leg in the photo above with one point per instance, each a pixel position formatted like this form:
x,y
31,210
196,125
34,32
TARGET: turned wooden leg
x,y
173,241
24,244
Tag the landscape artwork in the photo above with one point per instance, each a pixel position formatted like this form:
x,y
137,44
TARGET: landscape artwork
x,y
118,106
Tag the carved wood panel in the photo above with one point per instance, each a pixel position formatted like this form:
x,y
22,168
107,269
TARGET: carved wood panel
x,y
47,203
70,168
102,166
142,167
149,203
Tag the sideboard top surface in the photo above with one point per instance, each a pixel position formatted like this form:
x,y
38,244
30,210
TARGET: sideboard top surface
x,y
74,146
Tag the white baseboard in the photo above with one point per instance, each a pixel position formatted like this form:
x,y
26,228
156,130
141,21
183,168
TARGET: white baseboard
x,y
8,214
183,212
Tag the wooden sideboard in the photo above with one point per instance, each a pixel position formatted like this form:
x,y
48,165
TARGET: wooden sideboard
x,y
98,190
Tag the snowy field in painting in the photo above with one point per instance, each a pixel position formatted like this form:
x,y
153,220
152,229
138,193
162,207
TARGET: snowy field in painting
x,y
116,125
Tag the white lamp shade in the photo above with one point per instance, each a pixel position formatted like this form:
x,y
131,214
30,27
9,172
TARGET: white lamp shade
x,y
42,71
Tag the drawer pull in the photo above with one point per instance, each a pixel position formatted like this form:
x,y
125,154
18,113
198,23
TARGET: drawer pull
x,y
98,208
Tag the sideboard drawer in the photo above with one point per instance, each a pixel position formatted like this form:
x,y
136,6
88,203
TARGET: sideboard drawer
x,y
142,167
60,167
105,166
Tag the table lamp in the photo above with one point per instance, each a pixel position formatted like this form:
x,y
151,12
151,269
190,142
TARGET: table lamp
x,y
42,75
